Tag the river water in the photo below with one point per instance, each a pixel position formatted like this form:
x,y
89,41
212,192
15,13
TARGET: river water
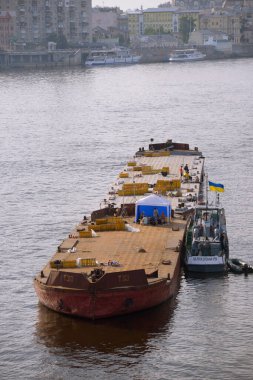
x,y
64,137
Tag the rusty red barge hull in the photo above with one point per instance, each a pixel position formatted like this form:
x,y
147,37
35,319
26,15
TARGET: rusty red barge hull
x,y
108,302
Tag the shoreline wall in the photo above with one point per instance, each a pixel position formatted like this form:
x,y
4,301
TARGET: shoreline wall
x,y
70,58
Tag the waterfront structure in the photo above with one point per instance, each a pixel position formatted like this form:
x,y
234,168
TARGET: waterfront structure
x,y
135,23
247,25
228,22
40,58
197,4
167,20
159,21
218,40
7,29
233,18
207,37
208,4
7,5
236,3
36,21
109,23
105,18
123,27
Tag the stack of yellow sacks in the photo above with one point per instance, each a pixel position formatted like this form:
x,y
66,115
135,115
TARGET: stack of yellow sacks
x,y
131,163
162,186
157,154
147,170
108,224
133,189
73,263
124,175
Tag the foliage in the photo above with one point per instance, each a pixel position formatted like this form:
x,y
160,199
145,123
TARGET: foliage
x,y
124,40
243,28
187,25
109,9
60,40
155,31
149,31
165,5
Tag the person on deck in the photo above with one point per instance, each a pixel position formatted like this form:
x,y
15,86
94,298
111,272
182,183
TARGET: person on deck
x,y
142,218
163,218
156,215
186,169
181,171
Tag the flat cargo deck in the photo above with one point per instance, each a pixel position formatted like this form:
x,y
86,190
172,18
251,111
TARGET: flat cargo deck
x,y
146,249
130,263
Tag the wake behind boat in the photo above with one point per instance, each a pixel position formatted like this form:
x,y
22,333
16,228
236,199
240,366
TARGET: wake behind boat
x,y
116,56
186,55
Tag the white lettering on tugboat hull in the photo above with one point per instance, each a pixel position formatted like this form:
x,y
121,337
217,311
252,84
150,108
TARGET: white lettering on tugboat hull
x,y
205,260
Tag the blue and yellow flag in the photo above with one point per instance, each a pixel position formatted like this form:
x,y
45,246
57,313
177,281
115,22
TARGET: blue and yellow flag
x,y
216,187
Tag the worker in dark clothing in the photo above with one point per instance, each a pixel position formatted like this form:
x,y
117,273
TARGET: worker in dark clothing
x,y
186,169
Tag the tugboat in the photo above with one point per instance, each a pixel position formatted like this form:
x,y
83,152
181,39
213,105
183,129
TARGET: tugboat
x,y
206,244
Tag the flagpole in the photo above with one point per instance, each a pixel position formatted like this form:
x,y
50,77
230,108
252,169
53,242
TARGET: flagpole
x,y
206,190
206,204
217,199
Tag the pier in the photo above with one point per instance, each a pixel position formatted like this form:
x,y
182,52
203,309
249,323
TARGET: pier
x,y
40,59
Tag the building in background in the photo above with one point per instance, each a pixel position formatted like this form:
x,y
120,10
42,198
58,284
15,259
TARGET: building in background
x,y
37,21
123,27
197,4
247,25
135,24
161,21
234,18
228,22
7,29
109,25
105,17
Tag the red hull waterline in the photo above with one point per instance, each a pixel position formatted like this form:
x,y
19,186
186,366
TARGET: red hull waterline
x,y
110,302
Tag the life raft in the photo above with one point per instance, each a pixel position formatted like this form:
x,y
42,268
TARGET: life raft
x,y
238,266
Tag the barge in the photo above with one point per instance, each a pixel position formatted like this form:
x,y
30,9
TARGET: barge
x,y
125,256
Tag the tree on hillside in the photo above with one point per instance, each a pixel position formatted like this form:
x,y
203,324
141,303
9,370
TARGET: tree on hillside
x,y
60,40
165,5
187,25
149,31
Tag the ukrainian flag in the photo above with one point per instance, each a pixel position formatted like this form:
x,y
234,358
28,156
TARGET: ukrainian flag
x,y
216,187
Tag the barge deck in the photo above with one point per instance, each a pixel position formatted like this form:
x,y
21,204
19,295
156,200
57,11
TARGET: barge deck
x,y
112,263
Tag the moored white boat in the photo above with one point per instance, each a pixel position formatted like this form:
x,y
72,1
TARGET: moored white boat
x,y
111,57
186,55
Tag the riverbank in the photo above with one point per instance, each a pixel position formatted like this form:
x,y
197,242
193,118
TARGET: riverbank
x,y
160,54
77,57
